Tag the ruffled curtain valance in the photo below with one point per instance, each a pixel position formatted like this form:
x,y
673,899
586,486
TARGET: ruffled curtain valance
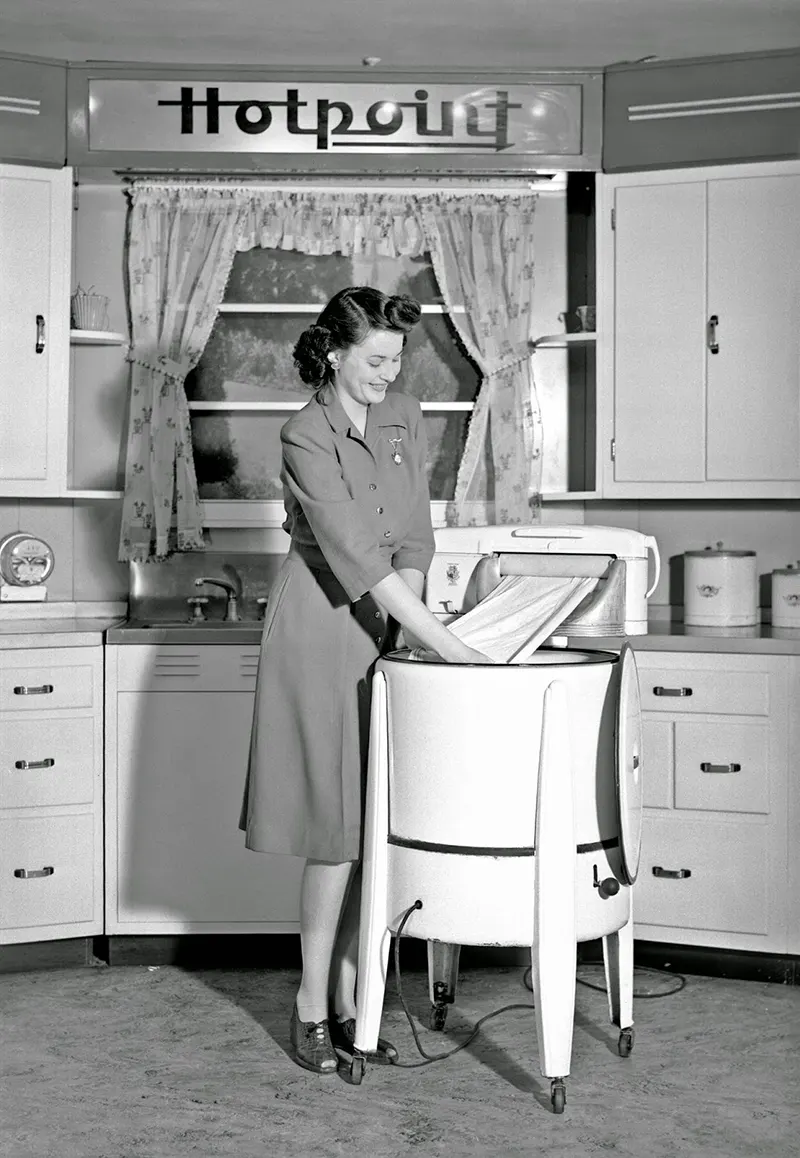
x,y
183,238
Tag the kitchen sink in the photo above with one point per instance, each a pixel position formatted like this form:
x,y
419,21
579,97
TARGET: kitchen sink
x,y
185,631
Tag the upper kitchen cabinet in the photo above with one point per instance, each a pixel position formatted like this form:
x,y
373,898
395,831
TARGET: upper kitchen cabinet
x,y
35,262
33,111
699,333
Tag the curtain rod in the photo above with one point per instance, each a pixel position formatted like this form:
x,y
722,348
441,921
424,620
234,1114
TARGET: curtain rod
x,y
458,190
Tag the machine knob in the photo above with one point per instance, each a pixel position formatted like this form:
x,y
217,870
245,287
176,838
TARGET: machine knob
x,y
606,888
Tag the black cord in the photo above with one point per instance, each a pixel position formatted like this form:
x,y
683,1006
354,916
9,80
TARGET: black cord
x,y
639,969
456,1049
527,982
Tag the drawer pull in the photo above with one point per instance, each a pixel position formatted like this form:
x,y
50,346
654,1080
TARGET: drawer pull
x,y
706,767
28,874
659,691
42,690
671,874
48,762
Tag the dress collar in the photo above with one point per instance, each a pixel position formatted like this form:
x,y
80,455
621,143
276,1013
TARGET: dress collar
x,y
385,413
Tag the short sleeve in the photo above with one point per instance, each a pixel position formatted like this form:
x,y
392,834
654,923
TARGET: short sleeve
x,y
312,473
418,545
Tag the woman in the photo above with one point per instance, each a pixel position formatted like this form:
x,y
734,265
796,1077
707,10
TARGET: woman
x,y
358,514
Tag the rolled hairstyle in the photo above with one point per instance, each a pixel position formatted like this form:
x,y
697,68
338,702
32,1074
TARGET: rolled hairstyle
x,y
346,321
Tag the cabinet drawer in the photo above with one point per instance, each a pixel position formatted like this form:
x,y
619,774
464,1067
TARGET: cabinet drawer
x,y
722,767
57,758
737,693
62,849
726,890
45,687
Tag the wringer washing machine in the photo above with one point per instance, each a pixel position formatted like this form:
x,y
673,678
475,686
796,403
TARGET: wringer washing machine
x,y
508,798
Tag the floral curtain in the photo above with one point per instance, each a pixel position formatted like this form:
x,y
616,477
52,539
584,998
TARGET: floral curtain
x,y
482,253
181,246
182,241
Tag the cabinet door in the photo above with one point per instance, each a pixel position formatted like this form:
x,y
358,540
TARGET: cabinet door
x,y
35,209
659,335
753,382
176,859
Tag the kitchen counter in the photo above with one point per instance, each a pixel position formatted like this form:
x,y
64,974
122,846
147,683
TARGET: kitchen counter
x,y
54,632
670,636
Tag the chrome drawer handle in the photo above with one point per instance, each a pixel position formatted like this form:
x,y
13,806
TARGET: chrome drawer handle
x,y
42,690
671,874
48,762
706,767
28,874
39,333
659,691
711,338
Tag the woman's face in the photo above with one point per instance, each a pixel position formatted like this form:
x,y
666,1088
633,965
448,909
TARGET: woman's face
x,y
365,371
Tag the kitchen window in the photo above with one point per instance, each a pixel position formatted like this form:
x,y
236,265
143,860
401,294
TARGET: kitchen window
x,y
245,385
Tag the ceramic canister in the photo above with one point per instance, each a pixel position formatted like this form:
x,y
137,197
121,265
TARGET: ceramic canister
x,y
720,588
786,596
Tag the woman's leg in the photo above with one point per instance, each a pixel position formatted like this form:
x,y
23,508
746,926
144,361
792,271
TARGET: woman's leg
x,y
345,954
322,898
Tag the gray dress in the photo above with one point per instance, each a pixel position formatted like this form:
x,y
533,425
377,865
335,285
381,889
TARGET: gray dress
x,y
354,515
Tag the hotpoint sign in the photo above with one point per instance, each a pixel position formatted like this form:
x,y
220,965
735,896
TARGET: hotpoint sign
x,y
254,117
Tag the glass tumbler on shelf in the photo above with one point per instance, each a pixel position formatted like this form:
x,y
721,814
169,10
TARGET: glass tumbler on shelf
x,y
586,316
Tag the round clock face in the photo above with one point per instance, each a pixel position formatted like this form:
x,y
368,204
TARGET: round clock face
x,y
25,560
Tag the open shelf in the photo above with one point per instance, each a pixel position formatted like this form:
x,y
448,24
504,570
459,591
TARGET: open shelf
x,y
96,338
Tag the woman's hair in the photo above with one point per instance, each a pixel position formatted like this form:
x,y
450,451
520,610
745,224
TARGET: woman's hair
x,y
346,321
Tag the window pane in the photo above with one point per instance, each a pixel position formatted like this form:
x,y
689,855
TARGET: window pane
x,y
249,359
238,456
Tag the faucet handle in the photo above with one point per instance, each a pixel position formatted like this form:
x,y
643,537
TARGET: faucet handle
x,y
197,603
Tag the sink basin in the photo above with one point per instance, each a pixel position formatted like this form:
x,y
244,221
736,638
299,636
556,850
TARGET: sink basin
x,y
193,624
248,631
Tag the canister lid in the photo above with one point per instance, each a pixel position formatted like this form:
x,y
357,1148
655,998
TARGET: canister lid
x,y
717,552
791,569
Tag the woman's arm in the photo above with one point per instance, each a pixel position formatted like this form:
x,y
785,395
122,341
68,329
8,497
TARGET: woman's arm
x,y
397,599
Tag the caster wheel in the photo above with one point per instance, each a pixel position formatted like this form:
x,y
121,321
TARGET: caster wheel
x,y
357,1069
625,1043
558,1096
438,1017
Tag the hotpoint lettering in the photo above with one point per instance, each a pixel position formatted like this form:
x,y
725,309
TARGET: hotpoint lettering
x,y
334,125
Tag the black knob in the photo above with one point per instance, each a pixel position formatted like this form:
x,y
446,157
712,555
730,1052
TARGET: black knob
x,y
609,887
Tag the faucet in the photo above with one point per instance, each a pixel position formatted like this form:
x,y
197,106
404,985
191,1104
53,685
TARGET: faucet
x,y
232,608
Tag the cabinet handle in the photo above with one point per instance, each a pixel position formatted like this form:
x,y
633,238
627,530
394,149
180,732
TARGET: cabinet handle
x,y
48,762
713,344
39,334
706,767
28,874
671,874
42,690
659,691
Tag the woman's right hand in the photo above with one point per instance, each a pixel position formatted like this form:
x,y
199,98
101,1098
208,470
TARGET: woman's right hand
x,y
465,654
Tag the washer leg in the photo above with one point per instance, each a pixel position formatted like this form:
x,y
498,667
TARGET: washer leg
x,y
554,950
442,979
374,934
618,962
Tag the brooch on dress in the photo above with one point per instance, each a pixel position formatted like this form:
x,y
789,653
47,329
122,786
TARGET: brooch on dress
x,y
394,442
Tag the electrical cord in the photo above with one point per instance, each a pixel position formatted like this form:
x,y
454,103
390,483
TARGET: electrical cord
x,y
527,981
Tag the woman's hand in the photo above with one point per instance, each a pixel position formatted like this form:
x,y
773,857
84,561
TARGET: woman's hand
x,y
464,654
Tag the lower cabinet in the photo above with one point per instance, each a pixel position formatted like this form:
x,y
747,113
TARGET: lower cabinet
x,y
51,793
715,842
177,741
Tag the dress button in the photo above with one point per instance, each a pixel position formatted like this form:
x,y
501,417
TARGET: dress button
x,y
377,614
373,486
387,534
379,510
378,640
